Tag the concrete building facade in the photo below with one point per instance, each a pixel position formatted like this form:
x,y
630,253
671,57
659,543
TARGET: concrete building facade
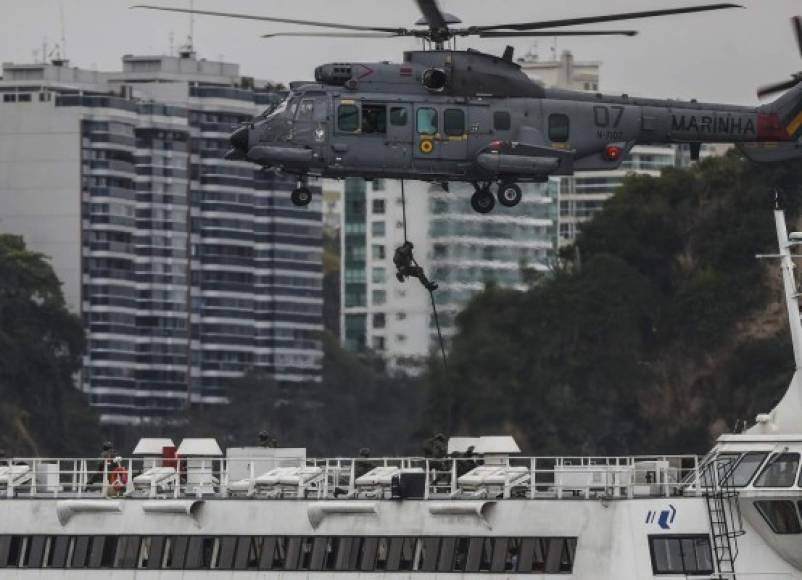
x,y
187,269
458,248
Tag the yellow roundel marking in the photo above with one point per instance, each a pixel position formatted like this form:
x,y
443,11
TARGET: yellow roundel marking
x,y
426,146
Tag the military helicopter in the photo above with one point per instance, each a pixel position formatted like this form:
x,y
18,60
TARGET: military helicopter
x,y
445,115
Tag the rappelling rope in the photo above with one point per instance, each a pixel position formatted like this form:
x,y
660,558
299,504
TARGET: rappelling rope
x,y
431,292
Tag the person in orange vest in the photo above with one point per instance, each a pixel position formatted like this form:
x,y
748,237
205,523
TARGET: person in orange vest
x,y
118,478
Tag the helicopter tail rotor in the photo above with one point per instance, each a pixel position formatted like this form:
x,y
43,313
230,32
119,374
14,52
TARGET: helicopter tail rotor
x,y
767,90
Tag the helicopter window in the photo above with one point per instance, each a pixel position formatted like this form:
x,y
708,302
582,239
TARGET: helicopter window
x,y
293,106
374,119
454,122
307,109
399,116
559,128
502,121
427,121
348,118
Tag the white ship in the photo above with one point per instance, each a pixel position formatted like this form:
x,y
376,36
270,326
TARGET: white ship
x,y
276,514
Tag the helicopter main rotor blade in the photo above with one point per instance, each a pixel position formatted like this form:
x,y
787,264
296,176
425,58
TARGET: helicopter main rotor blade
x,y
503,34
332,34
432,14
777,88
603,18
398,31
796,21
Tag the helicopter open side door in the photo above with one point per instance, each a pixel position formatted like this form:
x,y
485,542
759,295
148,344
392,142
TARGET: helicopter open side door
x,y
372,134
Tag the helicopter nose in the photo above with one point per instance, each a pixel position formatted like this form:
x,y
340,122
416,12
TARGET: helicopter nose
x,y
240,139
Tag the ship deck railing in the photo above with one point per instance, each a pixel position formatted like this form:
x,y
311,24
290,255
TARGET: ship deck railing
x,y
450,478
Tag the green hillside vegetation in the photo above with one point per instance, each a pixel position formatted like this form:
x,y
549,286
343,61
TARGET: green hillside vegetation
x,y
660,332
40,351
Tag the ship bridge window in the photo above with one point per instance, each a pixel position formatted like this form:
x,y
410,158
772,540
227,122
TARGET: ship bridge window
x,y
780,516
348,118
746,468
780,471
374,119
681,555
559,127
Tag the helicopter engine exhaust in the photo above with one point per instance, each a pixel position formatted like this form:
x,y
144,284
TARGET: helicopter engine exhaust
x,y
435,79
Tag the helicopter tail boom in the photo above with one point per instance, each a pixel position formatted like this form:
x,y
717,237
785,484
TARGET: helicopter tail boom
x,y
786,112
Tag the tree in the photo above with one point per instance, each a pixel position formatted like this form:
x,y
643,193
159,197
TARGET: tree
x,y
41,344
654,345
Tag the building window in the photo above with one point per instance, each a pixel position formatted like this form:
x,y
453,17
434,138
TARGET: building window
x,y
399,116
348,118
681,554
378,343
379,320
780,516
378,206
379,275
454,122
502,121
378,185
427,121
379,297
559,128
378,252
10,98
377,229
401,316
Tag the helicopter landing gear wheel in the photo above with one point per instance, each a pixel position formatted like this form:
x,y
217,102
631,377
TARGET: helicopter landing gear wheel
x,y
509,194
482,201
301,196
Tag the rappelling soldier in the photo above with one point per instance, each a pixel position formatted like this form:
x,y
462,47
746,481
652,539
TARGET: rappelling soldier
x,y
406,267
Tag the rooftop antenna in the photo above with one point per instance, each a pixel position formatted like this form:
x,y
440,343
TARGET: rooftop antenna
x,y
191,39
188,50
171,37
63,50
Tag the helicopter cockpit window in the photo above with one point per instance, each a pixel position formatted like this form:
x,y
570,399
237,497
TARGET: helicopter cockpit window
x,y
427,121
559,128
306,110
454,122
348,118
399,116
276,109
374,119
293,106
